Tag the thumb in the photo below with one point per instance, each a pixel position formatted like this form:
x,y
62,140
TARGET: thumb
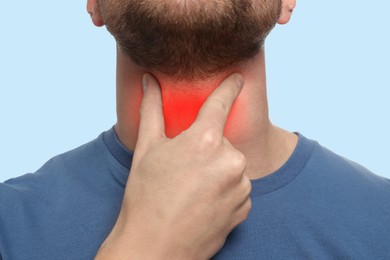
x,y
152,124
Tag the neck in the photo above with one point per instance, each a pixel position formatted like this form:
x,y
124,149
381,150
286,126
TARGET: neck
x,y
248,127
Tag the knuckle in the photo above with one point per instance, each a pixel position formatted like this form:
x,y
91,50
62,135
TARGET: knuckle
x,y
247,185
238,161
246,210
217,244
221,106
210,137
248,205
236,164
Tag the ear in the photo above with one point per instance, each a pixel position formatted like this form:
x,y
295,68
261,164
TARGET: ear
x,y
94,12
287,10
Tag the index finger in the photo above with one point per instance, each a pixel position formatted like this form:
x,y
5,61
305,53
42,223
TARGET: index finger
x,y
216,108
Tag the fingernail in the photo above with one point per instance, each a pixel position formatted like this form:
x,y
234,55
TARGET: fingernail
x,y
239,79
145,81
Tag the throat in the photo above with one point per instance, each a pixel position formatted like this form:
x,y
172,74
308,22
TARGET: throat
x,y
181,107
180,111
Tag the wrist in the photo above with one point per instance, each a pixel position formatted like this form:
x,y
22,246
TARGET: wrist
x,y
131,243
143,240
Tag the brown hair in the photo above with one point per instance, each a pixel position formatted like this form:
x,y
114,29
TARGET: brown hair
x,y
190,39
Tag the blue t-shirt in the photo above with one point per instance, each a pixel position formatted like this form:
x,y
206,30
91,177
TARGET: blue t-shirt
x,y
317,206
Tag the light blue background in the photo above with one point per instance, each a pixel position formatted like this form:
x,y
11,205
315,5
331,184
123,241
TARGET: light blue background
x,y
328,78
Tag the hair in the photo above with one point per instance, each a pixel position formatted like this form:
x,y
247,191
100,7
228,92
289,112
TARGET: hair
x,y
190,39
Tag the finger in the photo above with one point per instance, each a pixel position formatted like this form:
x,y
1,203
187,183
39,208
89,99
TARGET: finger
x,y
216,108
243,212
152,125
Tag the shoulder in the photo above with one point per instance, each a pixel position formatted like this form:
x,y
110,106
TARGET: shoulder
x,y
56,169
346,201
333,179
50,177
64,192
75,167
330,165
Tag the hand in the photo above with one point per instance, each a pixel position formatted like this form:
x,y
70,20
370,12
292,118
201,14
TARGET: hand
x,y
184,195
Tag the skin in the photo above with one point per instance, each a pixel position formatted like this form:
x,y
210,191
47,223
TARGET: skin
x,y
247,132
248,128
265,146
184,208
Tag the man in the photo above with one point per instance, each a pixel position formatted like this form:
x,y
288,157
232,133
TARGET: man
x,y
306,201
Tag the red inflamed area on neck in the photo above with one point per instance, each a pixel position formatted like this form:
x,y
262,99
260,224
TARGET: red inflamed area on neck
x,y
182,107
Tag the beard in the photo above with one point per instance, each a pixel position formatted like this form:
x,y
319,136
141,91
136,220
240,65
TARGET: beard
x,y
190,39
